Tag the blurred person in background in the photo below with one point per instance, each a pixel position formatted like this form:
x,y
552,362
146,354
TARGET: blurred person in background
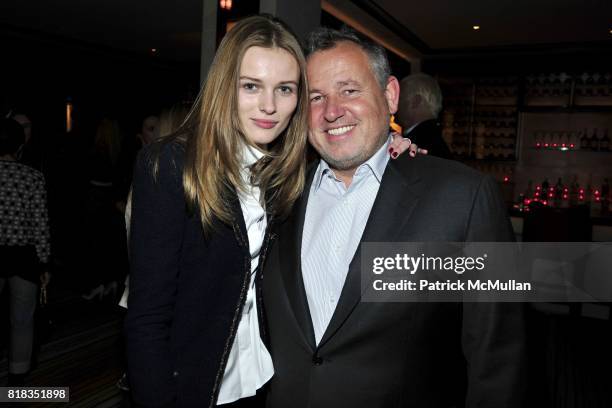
x,y
169,122
24,245
418,109
105,262
149,131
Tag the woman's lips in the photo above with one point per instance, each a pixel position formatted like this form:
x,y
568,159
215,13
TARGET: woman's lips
x,y
265,124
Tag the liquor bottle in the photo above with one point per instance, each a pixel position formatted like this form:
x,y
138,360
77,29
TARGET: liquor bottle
x,y
605,190
529,191
604,142
584,141
588,191
574,141
558,193
537,139
590,141
605,197
521,202
573,191
544,198
564,140
595,141
545,187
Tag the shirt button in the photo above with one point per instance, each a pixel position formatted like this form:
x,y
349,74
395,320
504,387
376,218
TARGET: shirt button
x,y
317,360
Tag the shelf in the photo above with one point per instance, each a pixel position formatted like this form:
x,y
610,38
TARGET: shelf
x,y
493,104
488,161
554,101
562,109
582,151
506,102
592,101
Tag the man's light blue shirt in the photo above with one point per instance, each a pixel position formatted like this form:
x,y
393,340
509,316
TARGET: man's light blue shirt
x,y
335,219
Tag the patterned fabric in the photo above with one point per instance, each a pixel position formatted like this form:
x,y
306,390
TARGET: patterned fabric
x,y
23,208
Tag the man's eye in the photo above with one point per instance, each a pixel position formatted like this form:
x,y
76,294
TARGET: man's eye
x,y
316,98
350,91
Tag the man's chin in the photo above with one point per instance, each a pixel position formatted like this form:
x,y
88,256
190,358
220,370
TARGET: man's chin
x,y
344,163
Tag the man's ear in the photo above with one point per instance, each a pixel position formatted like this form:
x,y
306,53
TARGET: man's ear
x,y
392,92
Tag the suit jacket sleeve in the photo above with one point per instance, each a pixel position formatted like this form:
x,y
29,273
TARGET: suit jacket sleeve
x,y
158,211
493,334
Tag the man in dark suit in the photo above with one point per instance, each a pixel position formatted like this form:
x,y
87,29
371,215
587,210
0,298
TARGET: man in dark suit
x,y
419,106
329,348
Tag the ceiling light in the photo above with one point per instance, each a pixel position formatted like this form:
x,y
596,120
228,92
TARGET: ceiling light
x,y
476,27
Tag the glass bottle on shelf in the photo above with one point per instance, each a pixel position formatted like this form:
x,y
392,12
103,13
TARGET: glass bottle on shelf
x,y
605,196
574,141
555,140
573,191
545,191
529,190
558,193
584,141
537,139
588,191
594,140
604,142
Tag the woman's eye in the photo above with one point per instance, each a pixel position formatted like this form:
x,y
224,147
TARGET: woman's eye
x,y
285,90
249,86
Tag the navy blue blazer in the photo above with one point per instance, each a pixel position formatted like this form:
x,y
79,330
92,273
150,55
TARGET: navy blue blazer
x,y
186,290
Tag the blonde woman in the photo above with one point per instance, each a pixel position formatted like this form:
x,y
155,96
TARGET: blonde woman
x,y
204,199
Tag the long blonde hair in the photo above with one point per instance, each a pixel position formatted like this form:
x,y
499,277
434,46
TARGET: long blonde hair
x,y
213,136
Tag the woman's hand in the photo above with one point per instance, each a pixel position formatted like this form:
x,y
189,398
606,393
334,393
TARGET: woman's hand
x,y
399,145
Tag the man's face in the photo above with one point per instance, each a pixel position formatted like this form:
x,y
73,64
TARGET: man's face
x,y
349,111
25,122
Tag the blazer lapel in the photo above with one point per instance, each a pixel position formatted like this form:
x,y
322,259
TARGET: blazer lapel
x,y
393,206
290,256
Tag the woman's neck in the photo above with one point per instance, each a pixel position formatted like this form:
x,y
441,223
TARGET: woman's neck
x,y
7,157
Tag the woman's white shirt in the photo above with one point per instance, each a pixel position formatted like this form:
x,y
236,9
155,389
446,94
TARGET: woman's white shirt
x,y
249,365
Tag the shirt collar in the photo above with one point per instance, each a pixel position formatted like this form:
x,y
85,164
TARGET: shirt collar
x,y
376,164
250,156
411,128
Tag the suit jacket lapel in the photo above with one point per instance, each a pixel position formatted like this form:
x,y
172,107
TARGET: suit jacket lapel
x,y
393,206
290,257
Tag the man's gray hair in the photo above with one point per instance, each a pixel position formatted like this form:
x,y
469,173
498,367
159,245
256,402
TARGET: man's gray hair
x,y
424,85
324,38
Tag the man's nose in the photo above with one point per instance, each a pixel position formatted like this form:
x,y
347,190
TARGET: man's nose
x,y
333,109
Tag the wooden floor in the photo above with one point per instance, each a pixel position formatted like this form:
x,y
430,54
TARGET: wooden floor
x,y
571,356
83,351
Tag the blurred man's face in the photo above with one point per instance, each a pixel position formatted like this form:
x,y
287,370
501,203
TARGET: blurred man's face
x,y
24,121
